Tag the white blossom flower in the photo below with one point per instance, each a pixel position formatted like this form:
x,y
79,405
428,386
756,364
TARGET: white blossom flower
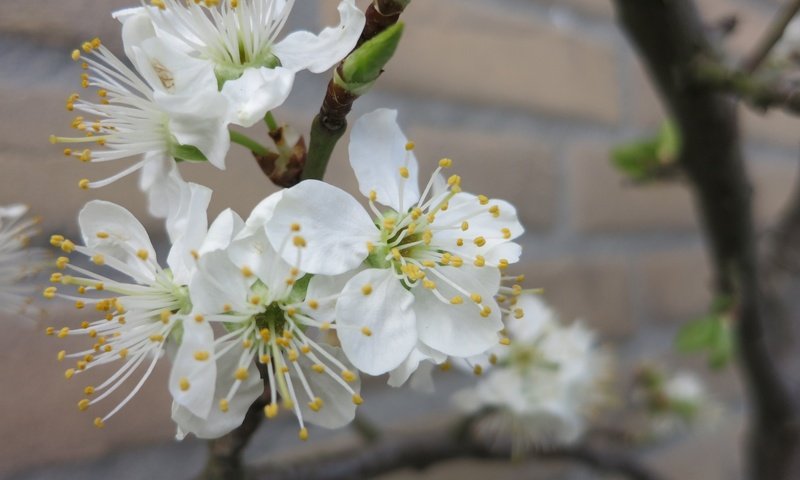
x,y
431,260
267,308
166,109
545,384
140,316
239,40
680,403
18,262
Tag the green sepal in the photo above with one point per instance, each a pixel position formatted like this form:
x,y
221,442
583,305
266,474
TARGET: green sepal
x,y
362,68
187,153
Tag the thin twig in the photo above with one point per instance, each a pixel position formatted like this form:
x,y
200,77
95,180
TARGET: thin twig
x,y
771,37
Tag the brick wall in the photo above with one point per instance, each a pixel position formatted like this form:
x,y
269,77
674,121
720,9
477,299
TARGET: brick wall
x,y
526,95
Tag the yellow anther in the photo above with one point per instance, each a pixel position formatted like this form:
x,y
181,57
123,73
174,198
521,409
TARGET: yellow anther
x,y
67,152
431,217
445,163
79,304
477,370
505,341
396,253
457,261
366,331
410,146
495,211
291,311
199,318
464,225
305,349
479,261
476,298
223,405
366,289
457,300
493,359
158,3
123,353
349,376
234,3
271,410
227,308
479,241
294,272
96,43
303,434
88,390
299,241
295,227
446,366
255,299
143,254
389,223
56,277
184,384
454,181
318,368
316,404
69,373
201,355
370,247
427,237
98,422
519,313
62,355
416,212
195,254
246,272
76,55
264,359
429,284
373,195
325,326
313,304
486,311
357,399
156,338
506,233
165,314
50,331
483,199
265,334
404,172
241,374
502,264
50,292
56,240
292,354
62,262
86,47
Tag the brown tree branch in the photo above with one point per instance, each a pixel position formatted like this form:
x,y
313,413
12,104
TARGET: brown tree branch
x,y
670,37
771,37
425,449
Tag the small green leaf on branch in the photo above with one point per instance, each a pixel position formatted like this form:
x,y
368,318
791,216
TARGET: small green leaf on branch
x,y
362,68
711,334
650,159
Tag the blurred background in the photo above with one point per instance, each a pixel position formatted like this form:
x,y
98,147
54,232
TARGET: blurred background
x,y
527,96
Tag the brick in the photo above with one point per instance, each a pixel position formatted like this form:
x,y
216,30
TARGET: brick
x,y
62,24
598,8
470,53
752,22
604,201
647,111
514,168
42,416
773,127
675,284
774,181
594,290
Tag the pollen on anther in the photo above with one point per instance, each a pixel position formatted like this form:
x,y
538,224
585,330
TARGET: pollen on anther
x,y
404,172
505,341
357,399
299,241
457,300
303,434
475,297
366,331
143,254
241,374
271,410
223,405
184,384
445,163
201,355
348,376
477,370
247,272
98,422
295,227
366,289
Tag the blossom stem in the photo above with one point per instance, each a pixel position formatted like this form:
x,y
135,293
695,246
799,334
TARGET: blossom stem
x,y
272,124
331,122
249,143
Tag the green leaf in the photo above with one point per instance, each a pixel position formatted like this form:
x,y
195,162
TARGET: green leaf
x,y
187,153
697,335
636,159
669,143
711,334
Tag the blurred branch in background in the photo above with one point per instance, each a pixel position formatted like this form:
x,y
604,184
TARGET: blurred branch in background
x,y
772,36
424,449
671,38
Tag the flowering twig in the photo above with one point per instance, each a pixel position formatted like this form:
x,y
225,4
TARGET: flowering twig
x,y
424,449
771,36
331,122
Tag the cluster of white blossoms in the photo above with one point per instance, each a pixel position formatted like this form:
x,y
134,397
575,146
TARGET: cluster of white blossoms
x,y
307,292
545,386
197,68
18,263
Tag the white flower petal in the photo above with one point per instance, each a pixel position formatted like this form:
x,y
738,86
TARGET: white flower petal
x,y
125,238
222,231
261,214
377,153
255,253
257,92
187,227
200,120
459,330
385,311
421,354
335,227
217,283
217,423
325,290
192,381
338,408
317,53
